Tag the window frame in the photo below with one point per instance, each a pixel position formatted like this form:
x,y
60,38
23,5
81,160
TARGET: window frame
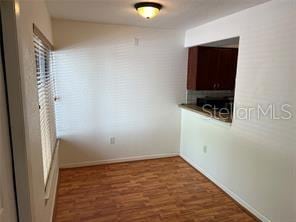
x,y
44,72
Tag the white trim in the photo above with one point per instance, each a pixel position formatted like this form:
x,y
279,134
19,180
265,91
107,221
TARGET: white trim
x,y
117,160
227,190
52,188
51,176
54,195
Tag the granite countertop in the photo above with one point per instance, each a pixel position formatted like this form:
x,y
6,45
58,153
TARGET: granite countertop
x,y
208,112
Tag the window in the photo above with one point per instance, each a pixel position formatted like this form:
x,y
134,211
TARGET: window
x,y
45,85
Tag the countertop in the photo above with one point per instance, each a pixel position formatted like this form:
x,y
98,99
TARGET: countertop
x,y
227,118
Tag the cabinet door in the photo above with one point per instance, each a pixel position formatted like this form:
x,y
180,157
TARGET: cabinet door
x,y
192,68
225,78
207,68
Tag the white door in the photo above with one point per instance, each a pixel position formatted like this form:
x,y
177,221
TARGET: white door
x,y
7,197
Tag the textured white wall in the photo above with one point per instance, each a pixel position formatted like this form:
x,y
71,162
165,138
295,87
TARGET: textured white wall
x,y
255,159
108,86
34,12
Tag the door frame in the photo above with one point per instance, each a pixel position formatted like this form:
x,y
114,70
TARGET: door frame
x,y
12,78
7,158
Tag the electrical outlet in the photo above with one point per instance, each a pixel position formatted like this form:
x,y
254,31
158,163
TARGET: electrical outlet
x,y
112,140
205,149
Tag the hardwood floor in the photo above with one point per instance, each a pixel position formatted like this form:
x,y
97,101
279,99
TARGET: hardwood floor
x,y
165,189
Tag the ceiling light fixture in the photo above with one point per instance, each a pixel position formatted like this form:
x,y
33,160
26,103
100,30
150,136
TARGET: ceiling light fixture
x,y
148,9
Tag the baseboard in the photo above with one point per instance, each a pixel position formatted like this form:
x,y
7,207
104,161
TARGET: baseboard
x,y
55,193
117,160
228,191
55,182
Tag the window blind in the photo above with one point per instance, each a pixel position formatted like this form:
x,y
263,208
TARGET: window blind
x,y
46,94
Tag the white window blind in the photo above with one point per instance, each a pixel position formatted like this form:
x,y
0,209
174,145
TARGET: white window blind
x,y
45,85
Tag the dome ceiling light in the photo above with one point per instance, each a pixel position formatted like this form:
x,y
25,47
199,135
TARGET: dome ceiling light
x,y
148,9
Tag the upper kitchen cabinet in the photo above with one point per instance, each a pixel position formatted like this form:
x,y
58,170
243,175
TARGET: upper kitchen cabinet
x,y
211,68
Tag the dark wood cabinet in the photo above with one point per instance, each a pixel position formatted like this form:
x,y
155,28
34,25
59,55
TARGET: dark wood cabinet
x,y
211,68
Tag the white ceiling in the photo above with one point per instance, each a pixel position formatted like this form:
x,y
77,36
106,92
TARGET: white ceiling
x,y
179,14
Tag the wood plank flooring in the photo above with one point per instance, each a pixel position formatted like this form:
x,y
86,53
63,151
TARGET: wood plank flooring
x,y
161,190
